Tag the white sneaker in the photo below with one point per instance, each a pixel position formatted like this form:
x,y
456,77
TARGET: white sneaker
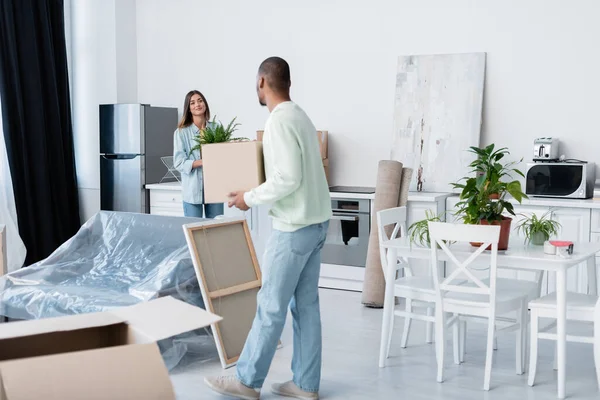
x,y
231,386
290,389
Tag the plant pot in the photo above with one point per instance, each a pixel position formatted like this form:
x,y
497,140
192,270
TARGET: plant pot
x,y
494,196
539,238
504,233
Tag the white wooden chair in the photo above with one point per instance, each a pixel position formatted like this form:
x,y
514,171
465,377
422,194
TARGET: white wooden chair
x,y
418,291
462,294
580,307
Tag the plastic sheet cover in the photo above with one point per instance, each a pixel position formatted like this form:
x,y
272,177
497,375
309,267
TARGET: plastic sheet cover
x,y
116,259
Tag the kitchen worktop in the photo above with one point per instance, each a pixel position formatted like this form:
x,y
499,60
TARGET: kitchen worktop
x,y
164,186
593,203
412,196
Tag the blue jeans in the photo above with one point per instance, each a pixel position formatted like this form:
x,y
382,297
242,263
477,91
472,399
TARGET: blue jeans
x,y
195,210
290,276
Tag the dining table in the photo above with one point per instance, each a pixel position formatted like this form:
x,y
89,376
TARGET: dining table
x,y
518,257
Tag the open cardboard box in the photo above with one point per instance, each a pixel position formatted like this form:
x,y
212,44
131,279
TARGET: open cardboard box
x,y
323,137
229,167
109,355
323,146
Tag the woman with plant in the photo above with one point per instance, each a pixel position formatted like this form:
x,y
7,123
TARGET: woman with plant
x,y
187,157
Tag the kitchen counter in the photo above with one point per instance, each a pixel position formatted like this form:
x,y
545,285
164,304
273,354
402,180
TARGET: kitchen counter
x,y
164,186
593,203
412,196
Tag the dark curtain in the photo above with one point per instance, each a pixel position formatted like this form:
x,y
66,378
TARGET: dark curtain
x,y
34,86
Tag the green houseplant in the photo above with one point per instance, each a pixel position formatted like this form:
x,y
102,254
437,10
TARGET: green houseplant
x,y
483,196
418,232
538,230
216,132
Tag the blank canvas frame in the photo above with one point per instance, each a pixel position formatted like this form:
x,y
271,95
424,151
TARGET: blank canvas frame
x,y
229,276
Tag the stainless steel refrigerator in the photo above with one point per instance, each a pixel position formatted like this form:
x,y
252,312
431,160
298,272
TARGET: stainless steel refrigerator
x,y
133,138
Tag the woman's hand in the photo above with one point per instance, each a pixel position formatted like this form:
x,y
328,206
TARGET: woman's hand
x,y
197,164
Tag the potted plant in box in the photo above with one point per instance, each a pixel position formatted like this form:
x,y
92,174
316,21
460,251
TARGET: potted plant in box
x,y
217,133
483,196
538,230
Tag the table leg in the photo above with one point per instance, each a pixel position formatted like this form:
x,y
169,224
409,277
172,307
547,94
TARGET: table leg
x,y
561,321
591,276
388,303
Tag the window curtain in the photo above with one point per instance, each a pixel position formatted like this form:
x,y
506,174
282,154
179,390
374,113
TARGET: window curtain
x,y
34,88
15,248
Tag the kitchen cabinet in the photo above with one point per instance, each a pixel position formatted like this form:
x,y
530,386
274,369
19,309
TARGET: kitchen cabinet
x,y
348,277
166,199
575,226
580,222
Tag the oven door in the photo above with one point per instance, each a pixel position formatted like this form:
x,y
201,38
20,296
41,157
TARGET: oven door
x,y
348,236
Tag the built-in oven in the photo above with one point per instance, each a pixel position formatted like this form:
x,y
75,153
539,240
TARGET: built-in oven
x,y
348,236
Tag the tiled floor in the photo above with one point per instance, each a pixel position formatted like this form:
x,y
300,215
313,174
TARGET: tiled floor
x,y
350,370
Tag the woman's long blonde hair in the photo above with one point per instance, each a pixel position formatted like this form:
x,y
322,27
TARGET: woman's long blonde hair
x,y
187,118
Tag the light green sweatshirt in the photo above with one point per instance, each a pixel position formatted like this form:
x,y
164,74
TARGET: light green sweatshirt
x,y
295,179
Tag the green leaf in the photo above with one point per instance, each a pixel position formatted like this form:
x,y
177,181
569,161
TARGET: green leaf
x,y
514,188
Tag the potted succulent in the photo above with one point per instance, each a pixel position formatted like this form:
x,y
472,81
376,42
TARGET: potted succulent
x,y
216,132
483,196
538,230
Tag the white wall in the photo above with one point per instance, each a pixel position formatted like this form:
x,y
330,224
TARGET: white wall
x,y
542,72
103,69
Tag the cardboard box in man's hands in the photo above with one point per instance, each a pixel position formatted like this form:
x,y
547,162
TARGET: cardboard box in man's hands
x,y
229,167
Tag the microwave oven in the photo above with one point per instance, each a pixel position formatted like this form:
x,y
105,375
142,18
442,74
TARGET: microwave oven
x,y
572,180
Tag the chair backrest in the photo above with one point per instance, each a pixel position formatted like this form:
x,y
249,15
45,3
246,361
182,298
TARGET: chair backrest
x,y
462,279
391,217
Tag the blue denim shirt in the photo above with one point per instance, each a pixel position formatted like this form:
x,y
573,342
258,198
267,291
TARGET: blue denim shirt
x,y
183,158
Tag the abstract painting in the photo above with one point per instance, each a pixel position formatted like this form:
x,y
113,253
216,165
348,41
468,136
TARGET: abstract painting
x,y
437,117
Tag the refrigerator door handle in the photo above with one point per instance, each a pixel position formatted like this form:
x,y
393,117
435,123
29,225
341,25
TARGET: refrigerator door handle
x,y
119,156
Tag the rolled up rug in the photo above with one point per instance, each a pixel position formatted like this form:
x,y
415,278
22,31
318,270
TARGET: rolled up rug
x,y
405,186
387,195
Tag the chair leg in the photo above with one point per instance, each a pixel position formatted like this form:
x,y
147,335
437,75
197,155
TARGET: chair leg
x,y
407,321
495,342
429,327
456,341
520,338
463,340
440,340
489,352
555,365
533,348
390,335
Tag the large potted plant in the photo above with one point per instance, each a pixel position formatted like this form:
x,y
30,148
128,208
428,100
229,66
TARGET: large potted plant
x,y
483,197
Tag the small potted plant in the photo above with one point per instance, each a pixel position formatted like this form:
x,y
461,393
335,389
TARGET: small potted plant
x,y
216,132
538,230
483,196
418,232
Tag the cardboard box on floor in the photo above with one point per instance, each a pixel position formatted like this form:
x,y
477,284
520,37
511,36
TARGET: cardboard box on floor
x,y
323,137
229,167
109,355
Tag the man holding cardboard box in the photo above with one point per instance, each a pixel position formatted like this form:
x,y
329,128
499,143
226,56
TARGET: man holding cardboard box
x,y
301,208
